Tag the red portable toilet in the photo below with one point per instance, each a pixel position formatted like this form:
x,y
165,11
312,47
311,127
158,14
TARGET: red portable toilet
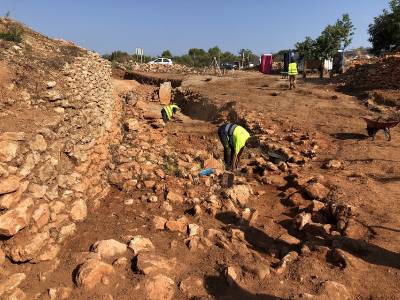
x,y
266,63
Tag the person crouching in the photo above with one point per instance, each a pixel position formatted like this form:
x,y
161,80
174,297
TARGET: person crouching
x,y
168,112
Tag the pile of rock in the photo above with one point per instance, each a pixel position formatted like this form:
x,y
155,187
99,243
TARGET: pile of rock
x,y
156,68
383,74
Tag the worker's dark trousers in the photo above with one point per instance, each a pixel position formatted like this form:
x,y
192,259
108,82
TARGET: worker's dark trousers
x,y
227,147
164,115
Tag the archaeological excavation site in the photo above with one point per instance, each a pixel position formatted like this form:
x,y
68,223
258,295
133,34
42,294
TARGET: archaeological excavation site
x,y
102,197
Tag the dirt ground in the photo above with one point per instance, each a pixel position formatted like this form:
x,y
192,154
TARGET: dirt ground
x,y
368,180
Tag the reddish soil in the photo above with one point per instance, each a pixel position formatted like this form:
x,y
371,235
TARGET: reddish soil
x,y
369,180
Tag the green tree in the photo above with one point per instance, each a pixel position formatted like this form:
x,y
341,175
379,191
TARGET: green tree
x,y
228,57
248,56
214,52
385,31
183,60
307,48
119,56
199,57
166,53
279,56
333,37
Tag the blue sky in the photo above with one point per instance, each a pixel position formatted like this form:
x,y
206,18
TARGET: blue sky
x,y
262,26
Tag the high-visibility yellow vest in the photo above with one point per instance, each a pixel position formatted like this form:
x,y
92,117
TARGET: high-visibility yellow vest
x,y
240,137
169,110
292,69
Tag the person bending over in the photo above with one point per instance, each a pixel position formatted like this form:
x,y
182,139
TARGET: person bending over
x,y
234,138
168,112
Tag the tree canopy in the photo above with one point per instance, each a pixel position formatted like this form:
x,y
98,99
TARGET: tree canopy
x,y
166,53
331,39
385,31
195,57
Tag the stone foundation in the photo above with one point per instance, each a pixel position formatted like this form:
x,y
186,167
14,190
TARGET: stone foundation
x,y
48,177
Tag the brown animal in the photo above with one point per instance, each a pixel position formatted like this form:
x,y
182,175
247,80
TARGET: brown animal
x,y
373,126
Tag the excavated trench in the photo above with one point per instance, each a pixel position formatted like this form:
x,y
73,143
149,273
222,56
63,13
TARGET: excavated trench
x,y
193,104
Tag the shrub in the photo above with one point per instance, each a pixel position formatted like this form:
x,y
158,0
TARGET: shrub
x,y
13,33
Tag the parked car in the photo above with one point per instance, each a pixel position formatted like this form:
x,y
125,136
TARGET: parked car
x,y
228,66
161,61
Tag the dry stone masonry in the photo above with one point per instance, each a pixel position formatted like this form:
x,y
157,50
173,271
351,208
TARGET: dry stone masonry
x,y
48,177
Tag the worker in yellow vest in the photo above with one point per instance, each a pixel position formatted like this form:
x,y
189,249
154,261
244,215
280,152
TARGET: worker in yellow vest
x,y
168,112
234,138
292,72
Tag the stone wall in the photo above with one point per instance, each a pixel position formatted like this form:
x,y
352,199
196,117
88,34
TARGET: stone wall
x,y
49,176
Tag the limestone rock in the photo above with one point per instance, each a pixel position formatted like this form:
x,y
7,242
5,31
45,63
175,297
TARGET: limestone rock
x,y
9,200
289,239
159,287
316,190
159,222
288,258
66,231
109,248
15,219
120,262
37,191
2,257
92,272
28,166
239,193
193,287
132,124
213,163
46,171
317,205
332,290
174,198
12,136
296,199
60,293
260,271
193,229
11,282
302,219
16,294
231,276
27,246
178,225
4,170
79,210
332,164
10,184
148,263
271,166
141,105
140,244
50,84
165,93
53,95
38,144
57,207
8,150
48,252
